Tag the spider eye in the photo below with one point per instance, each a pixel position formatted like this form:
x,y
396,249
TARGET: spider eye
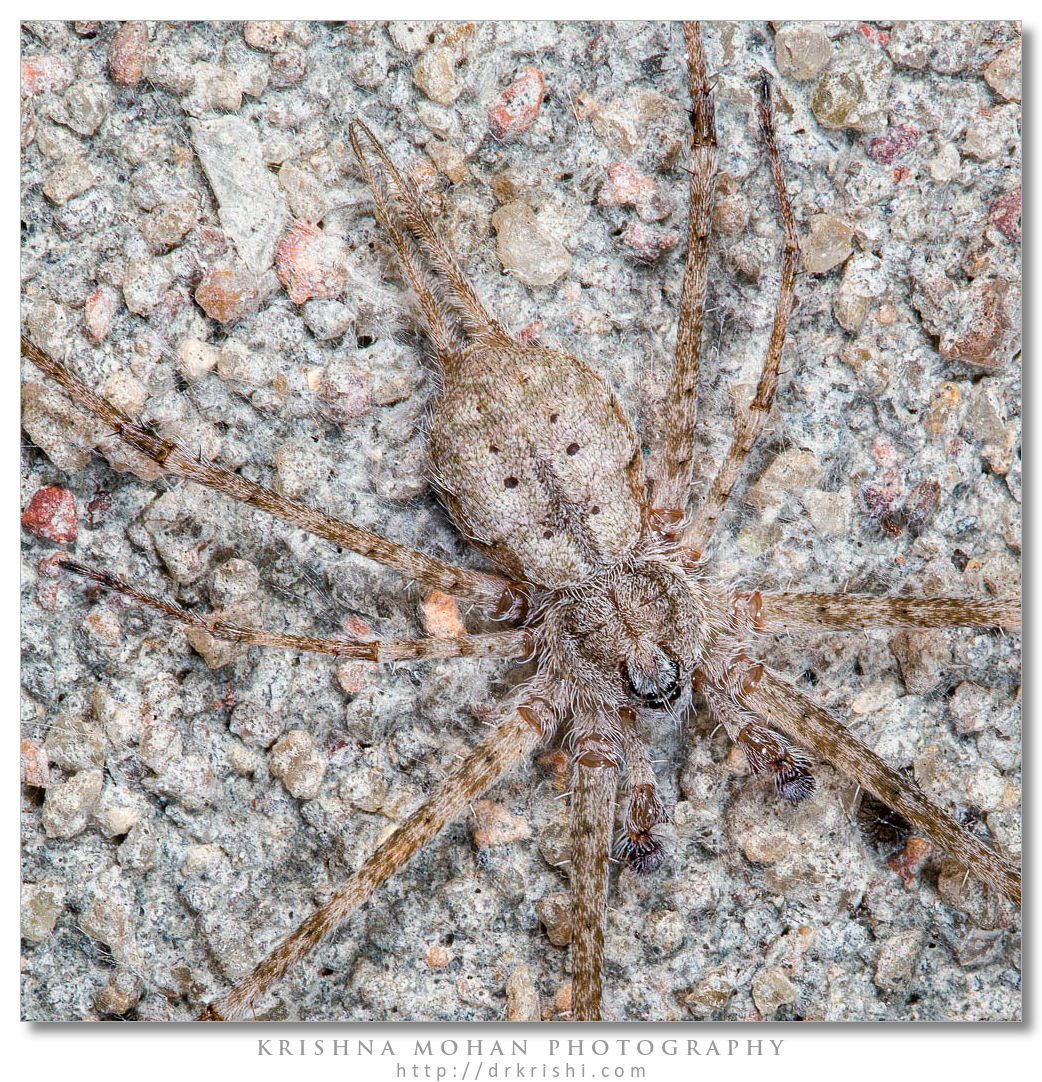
x,y
652,679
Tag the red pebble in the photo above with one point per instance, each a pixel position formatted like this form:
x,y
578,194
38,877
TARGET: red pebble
x,y
530,332
51,514
873,33
898,141
518,105
1004,214
311,263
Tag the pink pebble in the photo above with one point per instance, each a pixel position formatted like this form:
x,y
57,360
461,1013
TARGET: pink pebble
x,y
311,263
518,105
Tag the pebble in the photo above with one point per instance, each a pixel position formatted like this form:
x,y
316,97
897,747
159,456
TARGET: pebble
x,y
922,657
555,913
829,241
852,92
86,106
441,616
268,35
712,992
76,744
494,825
288,68
254,725
790,470
34,766
196,359
437,957
522,997
214,89
51,514
117,812
145,283
99,311
166,225
899,141
127,53
1004,214
648,242
251,207
985,330
46,74
71,178
188,779
970,708
311,263
448,159
298,764
234,581
240,366
243,759
909,863
434,74
993,133
42,905
229,292
345,390
801,50
946,163
518,105
864,282
829,512
67,805
627,187
896,961
771,988
533,256
121,995
1003,73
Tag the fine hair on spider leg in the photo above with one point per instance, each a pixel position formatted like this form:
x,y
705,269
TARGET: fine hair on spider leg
x,y
604,560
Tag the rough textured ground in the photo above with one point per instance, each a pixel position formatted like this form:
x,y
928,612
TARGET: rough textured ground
x,y
162,856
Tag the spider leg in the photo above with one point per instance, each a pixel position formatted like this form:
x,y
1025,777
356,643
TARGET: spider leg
x,y
749,423
458,291
593,817
672,487
787,709
513,738
503,644
172,458
856,612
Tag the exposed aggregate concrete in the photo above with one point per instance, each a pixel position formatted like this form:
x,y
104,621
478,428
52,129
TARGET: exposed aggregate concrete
x,y
180,818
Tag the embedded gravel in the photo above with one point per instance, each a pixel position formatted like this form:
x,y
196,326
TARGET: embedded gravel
x,y
197,242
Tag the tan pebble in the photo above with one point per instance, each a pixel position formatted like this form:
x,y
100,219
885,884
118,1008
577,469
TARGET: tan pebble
x,y
35,769
437,957
268,35
127,53
441,616
555,913
522,997
228,292
494,825
298,764
771,989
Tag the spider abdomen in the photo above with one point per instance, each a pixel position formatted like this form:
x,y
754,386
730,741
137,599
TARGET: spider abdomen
x,y
537,463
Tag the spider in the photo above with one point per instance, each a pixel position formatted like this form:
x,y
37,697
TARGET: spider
x,y
650,688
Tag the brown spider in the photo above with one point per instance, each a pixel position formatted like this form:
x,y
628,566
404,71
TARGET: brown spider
x,y
601,578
